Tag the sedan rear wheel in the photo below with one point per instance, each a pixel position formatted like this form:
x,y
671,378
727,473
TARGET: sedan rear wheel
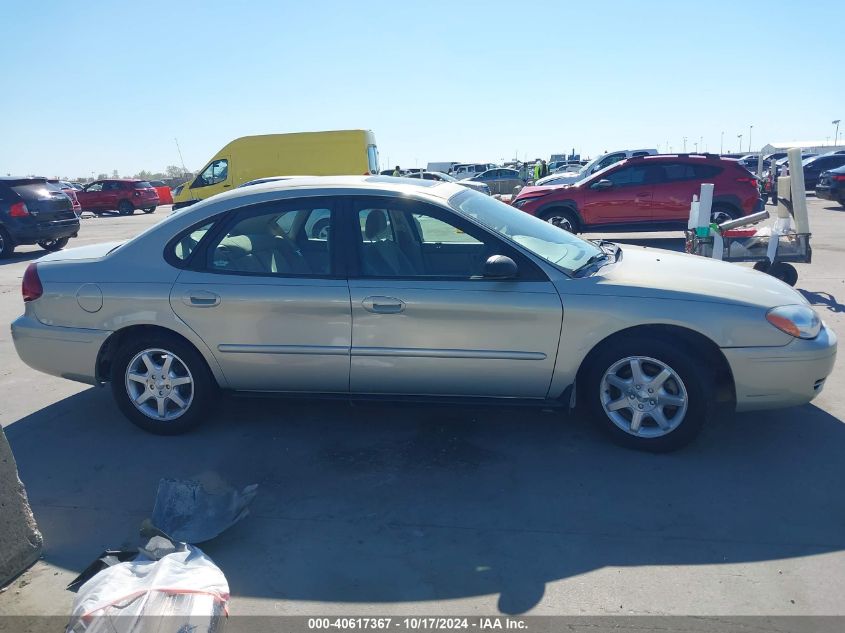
x,y
161,384
648,395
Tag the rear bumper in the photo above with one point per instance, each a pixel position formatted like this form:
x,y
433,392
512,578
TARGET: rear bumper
x,y
776,377
828,193
59,351
33,232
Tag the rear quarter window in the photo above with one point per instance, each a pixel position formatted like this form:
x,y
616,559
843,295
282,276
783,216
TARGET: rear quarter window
x,y
706,171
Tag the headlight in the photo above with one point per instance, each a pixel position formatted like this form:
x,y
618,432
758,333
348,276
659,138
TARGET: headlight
x,y
797,320
521,202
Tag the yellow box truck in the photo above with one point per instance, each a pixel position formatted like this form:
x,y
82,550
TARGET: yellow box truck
x,y
333,153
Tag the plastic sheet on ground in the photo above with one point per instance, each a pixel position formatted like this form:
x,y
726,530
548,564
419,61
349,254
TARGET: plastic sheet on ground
x,y
190,512
181,591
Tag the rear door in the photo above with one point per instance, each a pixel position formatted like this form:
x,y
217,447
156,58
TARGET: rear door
x,y
265,294
675,185
111,195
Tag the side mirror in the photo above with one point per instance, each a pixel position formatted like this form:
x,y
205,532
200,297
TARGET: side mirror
x,y
500,267
604,183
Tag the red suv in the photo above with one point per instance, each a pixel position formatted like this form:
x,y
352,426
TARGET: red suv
x,y
646,193
122,195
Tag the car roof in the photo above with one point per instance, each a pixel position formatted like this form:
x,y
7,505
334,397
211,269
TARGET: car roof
x,y
21,180
371,184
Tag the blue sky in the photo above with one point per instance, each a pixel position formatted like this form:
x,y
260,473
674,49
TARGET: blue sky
x,y
100,86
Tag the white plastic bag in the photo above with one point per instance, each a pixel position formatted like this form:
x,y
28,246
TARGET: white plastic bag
x,y
183,590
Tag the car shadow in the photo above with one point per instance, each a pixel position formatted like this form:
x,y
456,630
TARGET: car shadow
x,y
387,503
823,300
835,207
23,256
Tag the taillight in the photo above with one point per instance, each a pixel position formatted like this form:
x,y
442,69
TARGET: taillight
x,y
31,287
18,210
839,178
752,180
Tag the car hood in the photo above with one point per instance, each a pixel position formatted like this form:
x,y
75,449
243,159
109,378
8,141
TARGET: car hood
x,y
561,177
92,251
660,274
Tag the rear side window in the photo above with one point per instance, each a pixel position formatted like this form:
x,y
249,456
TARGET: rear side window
x,y
142,185
678,171
187,243
706,171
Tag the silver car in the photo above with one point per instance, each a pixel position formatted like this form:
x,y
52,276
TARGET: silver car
x,y
415,290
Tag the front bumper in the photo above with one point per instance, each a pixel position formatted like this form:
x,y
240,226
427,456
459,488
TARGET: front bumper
x,y
777,377
59,351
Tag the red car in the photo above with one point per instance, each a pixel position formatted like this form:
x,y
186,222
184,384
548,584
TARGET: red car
x,y
124,196
646,193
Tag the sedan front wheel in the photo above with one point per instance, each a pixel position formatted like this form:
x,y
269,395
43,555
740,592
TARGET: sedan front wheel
x,y
648,395
161,384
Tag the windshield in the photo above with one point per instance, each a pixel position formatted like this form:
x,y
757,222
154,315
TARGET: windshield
x,y
556,246
445,177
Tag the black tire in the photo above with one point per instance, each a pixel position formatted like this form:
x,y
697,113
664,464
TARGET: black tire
x,y
686,365
54,245
723,213
150,210
7,246
203,392
564,218
319,227
785,272
125,208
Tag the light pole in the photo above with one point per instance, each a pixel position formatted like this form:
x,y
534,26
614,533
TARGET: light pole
x,y
836,136
739,136
722,143
696,147
685,145
700,143
750,127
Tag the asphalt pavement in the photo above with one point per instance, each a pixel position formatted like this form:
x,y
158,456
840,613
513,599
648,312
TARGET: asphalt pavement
x,y
388,509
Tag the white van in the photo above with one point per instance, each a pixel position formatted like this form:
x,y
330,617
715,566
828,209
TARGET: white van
x,y
605,160
444,167
468,170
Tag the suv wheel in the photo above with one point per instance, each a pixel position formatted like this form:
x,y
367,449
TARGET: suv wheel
x,y
722,213
125,208
7,247
54,245
647,394
161,384
563,218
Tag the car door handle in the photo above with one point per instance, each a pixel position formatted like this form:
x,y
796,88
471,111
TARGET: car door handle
x,y
383,305
201,299
224,186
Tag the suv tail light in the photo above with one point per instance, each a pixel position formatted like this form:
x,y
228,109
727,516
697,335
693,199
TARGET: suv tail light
x,y
31,287
18,210
839,177
751,180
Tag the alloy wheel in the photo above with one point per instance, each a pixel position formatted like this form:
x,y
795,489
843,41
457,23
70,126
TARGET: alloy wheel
x,y
561,222
159,384
644,396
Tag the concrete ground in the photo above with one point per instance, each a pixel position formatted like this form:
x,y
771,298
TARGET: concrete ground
x,y
383,509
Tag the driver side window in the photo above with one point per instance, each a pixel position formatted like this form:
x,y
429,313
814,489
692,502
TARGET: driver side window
x,y
405,243
217,171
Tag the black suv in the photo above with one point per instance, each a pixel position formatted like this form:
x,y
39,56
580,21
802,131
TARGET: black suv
x,y
32,211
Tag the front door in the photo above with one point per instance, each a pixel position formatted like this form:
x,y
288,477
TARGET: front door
x,y
265,296
626,200
215,178
424,319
